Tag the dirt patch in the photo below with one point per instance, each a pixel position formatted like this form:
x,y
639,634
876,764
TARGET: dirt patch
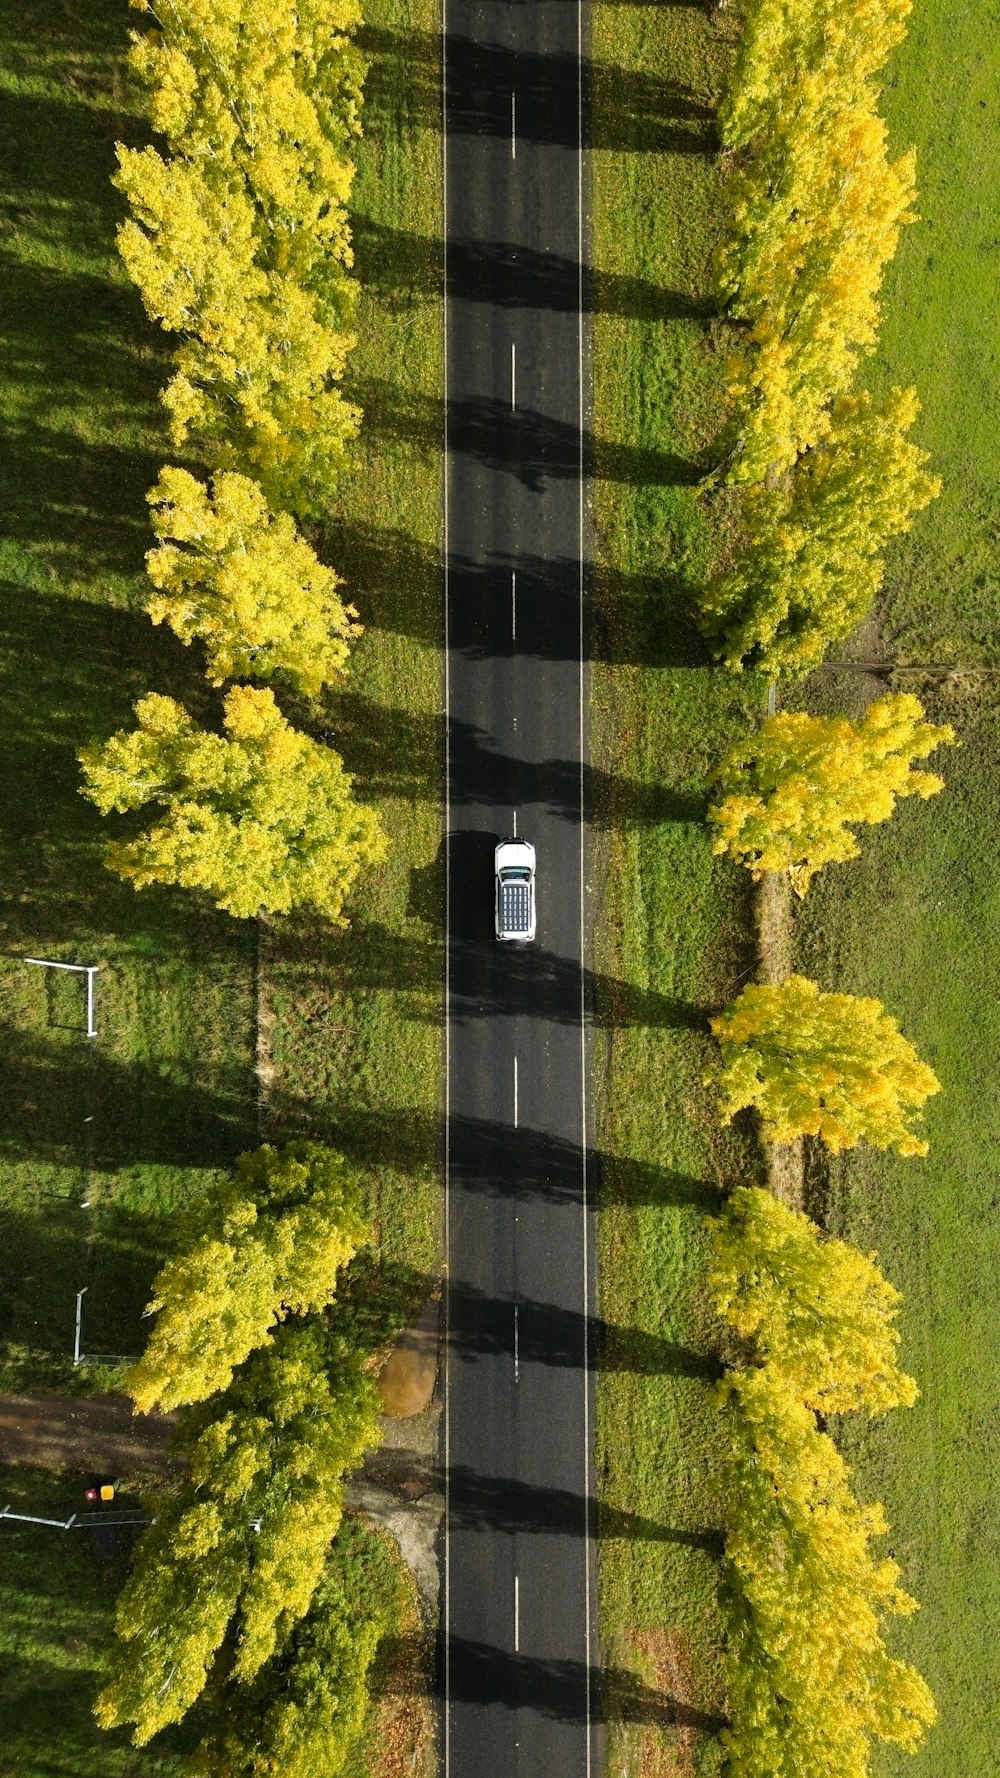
x,y
665,1666
86,1433
773,915
786,1172
408,1377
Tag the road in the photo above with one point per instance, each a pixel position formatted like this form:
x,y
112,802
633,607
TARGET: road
x,y
519,1646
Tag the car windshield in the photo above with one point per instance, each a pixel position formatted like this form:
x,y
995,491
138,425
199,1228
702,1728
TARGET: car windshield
x,y
515,873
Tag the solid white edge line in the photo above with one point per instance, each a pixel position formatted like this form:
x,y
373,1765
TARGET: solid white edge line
x,y
446,1602
588,1553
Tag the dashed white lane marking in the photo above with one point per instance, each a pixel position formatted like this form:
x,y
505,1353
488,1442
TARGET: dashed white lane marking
x,y
517,1614
513,127
513,376
513,604
517,1348
515,1092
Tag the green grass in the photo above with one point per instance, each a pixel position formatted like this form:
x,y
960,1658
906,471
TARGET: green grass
x,y
57,1597
135,1121
138,1121
916,919
674,929
357,1039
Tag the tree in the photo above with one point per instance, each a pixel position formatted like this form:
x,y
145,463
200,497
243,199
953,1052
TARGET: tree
x,y
244,582
817,208
268,97
812,561
819,1314
260,817
258,372
791,791
829,1065
810,1681
266,1242
306,1709
245,1540
843,43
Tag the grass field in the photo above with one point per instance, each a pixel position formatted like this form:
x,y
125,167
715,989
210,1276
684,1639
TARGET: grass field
x,y
57,1598
135,1121
675,923
102,1141
916,919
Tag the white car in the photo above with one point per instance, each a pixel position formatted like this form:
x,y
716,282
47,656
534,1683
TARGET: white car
x,y
515,890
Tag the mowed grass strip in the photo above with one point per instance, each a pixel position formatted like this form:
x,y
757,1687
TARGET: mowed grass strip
x,y
916,920
673,924
357,1039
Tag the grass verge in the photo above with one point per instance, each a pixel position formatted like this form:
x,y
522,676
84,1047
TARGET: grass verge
x,y
104,1141
356,1039
676,924
916,919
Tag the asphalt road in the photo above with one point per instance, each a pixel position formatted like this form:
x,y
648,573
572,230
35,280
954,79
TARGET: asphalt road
x,y
519,1648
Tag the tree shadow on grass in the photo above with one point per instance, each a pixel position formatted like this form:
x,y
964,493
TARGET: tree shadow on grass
x,y
71,1104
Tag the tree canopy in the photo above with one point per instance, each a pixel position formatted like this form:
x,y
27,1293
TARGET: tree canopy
x,y
791,792
243,580
817,1312
259,817
810,1680
811,561
829,1065
264,1243
244,1540
303,1713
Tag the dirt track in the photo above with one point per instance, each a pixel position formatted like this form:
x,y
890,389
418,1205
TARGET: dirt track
x,y
88,1433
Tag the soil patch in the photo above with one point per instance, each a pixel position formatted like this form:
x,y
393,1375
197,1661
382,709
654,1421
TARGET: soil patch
x,y
96,1433
408,1377
665,1664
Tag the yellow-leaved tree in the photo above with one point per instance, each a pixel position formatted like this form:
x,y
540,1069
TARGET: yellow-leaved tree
x,y
267,1242
818,209
835,1066
844,43
259,367
244,582
272,96
810,1681
260,817
244,1540
812,558
809,1678
790,794
816,1311
305,1711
